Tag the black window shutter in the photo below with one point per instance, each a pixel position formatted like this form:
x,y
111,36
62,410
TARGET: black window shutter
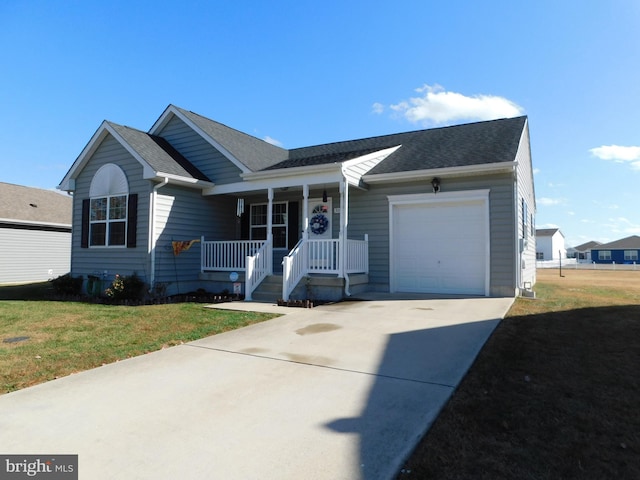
x,y
132,220
84,236
294,225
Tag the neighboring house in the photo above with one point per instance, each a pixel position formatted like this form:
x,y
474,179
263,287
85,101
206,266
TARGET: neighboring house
x,y
446,210
35,234
550,244
625,250
582,252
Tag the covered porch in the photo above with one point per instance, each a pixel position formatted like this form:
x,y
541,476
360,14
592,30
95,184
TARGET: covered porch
x,y
264,249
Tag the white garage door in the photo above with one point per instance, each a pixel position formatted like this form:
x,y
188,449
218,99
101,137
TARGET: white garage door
x,y
440,246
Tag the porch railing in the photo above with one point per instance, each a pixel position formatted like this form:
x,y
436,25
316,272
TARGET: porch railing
x,y
258,267
294,267
322,256
357,257
227,255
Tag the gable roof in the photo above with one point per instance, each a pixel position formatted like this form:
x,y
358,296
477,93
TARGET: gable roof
x,y
587,246
480,143
155,154
632,242
469,148
34,206
158,153
241,148
547,232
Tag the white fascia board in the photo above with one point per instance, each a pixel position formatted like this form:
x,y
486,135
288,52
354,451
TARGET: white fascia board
x,y
68,182
434,172
178,180
328,176
35,223
298,172
172,110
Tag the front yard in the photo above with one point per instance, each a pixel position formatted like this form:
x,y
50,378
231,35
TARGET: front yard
x,y
43,340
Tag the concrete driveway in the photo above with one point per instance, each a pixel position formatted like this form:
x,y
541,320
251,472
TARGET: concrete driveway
x,y
341,391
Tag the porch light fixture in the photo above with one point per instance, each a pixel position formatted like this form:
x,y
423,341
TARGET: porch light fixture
x,y
435,183
324,195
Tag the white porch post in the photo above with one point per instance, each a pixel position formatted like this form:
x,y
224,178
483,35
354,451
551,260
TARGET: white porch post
x,y
305,211
270,214
344,220
270,226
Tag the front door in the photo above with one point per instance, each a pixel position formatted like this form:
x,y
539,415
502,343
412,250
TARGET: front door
x,y
320,219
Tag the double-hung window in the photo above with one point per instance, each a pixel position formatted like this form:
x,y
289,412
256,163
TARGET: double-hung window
x,y
604,254
108,221
109,214
258,226
631,255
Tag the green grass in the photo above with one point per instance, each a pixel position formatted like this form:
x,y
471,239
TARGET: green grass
x,y
554,394
68,337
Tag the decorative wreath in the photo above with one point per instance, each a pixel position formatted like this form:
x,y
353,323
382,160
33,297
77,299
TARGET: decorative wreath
x,y
319,224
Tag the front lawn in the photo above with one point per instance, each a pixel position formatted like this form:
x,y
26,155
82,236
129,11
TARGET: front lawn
x,y
42,340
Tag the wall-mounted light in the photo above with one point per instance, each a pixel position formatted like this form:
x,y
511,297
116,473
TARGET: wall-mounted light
x,y
435,183
324,195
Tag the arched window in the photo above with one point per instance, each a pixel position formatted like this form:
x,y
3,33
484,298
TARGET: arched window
x,y
107,214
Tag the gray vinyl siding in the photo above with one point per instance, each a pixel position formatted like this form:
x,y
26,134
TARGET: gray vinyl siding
x,y
200,153
32,255
112,260
369,214
184,214
526,190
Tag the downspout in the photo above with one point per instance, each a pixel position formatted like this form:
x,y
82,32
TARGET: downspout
x,y
152,237
344,223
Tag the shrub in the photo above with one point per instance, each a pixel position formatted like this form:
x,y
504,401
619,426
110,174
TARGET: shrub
x,y
67,285
125,288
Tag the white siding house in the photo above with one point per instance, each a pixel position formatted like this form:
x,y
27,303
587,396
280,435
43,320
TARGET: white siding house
x,y
35,234
446,210
550,244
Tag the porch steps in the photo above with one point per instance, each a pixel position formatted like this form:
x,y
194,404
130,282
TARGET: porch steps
x,y
269,291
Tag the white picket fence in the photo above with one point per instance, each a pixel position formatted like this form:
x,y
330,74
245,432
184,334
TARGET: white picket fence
x,y
573,264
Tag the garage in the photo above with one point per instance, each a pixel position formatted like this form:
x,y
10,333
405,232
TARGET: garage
x,y
440,243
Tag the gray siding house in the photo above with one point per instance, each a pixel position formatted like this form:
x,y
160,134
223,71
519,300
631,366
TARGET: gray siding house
x,y
446,210
35,234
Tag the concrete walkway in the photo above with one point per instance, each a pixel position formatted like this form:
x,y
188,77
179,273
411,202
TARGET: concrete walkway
x,y
341,391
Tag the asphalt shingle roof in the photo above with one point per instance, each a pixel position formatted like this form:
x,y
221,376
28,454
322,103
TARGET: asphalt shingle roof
x,y
632,242
546,232
34,205
493,141
256,154
158,153
587,246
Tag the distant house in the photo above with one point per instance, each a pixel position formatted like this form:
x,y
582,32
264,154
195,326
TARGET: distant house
x,y
550,244
626,250
193,203
582,252
35,234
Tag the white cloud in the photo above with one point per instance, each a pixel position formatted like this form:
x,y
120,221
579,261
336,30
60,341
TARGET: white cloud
x,y
618,154
377,108
272,141
437,106
536,171
548,202
623,225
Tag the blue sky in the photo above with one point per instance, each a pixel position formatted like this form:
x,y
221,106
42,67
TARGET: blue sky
x,y
302,73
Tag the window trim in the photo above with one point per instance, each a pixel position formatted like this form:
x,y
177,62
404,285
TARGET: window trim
x,y
108,221
631,255
253,226
602,256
